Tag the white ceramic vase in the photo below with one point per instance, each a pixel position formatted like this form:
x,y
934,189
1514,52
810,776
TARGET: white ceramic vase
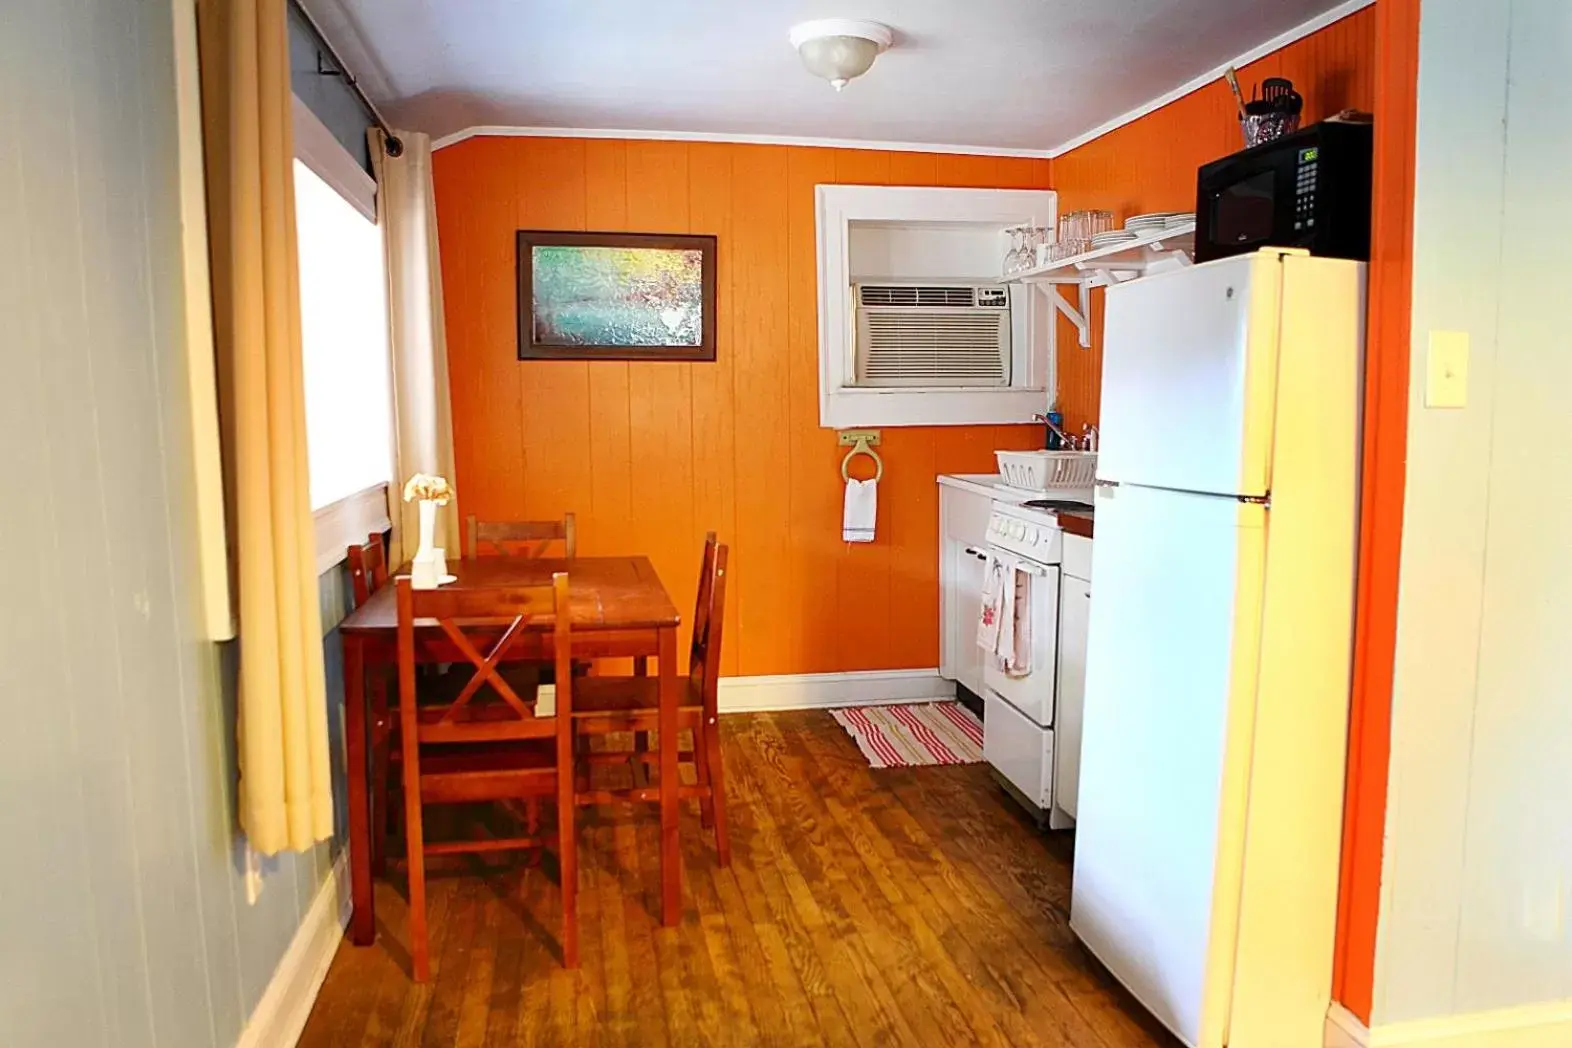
x,y
426,570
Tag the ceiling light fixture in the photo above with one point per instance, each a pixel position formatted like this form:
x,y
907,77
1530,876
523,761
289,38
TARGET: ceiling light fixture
x,y
839,49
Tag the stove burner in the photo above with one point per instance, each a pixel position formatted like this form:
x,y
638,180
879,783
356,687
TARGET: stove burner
x,y
1066,504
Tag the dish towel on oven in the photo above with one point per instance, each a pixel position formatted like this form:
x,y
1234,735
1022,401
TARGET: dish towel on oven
x,y
861,510
1004,626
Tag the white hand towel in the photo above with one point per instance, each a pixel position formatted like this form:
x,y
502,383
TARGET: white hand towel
x,y
995,573
861,511
1015,630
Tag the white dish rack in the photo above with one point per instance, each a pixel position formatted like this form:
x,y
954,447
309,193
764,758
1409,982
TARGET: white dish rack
x,y
1048,470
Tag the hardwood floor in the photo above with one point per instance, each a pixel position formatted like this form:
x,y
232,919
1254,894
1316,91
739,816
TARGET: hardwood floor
x,y
897,907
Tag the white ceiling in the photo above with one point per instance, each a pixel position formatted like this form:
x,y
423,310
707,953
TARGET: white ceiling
x,y
992,74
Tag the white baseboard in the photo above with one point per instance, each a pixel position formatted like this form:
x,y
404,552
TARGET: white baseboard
x,y
817,691
1531,1026
1344,1030
286,1003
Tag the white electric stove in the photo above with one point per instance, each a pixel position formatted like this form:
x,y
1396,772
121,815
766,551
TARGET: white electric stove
x,y
1019,710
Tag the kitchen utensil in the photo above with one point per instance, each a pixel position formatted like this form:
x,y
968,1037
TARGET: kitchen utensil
x,y
1276,90
1233,85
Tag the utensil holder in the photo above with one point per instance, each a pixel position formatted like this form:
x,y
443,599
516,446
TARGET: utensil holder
x,y
1267,127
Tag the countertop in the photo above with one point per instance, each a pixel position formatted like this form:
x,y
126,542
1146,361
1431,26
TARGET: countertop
x,y
988,484
1073,521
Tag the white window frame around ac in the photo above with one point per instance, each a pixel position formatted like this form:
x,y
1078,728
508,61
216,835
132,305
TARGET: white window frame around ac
x,y
842,404
346,522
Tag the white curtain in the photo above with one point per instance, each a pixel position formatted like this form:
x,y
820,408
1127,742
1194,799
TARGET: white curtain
x,y
422,410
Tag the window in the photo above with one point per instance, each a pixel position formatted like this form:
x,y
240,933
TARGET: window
x,y
344,341
914,327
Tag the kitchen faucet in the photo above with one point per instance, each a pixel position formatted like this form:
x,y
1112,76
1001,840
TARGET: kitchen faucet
x,y
1067,441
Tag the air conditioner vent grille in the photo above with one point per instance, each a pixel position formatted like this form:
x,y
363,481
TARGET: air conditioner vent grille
x,y
917,295
914,348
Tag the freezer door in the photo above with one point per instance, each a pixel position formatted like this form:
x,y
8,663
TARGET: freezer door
x,y
1189,375
1170,684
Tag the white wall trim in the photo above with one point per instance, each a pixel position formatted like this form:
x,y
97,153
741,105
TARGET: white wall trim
x,y
1277,43
286,1003
1531,1026
1344,1030
505,131
347,522
207,460
817,691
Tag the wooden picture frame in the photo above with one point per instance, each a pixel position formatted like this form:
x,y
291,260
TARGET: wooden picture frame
x,y
582,335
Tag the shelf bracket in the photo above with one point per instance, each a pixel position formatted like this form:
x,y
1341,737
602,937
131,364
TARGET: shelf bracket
x,y
1079,317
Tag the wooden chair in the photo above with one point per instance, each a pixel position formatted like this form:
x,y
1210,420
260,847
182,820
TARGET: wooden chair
x,y
368,573
528,538
463,745
602,705
368,567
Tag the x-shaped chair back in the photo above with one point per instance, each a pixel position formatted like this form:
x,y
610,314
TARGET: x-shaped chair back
x,y
465,616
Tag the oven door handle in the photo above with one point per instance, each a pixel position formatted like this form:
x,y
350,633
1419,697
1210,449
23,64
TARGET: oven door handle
x,y
1014,561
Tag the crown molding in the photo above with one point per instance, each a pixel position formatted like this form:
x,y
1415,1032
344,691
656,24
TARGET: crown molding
x,y
1277,43
507,131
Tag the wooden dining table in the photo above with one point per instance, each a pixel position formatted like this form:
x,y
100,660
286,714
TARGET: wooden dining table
x,y
619,608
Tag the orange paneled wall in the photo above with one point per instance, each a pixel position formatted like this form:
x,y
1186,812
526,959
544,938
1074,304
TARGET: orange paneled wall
x,y
651,455
1150,164
1381,525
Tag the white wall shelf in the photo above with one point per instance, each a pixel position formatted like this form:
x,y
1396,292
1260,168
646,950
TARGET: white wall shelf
x,y
1114,264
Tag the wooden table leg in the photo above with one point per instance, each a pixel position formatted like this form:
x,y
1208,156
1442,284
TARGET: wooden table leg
x,y
362,921
670,853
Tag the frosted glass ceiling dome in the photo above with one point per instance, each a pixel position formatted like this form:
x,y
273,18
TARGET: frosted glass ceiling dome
x,y
839,49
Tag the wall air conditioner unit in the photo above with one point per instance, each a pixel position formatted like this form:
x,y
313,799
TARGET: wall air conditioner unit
x,y
931,336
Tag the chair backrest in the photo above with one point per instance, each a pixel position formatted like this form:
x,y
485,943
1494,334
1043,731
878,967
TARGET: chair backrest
x,y
709,618
526,538
487,708
368,567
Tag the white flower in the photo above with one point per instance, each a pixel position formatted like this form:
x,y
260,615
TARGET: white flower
x,y
426,487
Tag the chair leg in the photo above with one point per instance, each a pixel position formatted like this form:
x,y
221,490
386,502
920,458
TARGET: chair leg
x,y
701,766
381,798
415,838
717,773
641,739
568,855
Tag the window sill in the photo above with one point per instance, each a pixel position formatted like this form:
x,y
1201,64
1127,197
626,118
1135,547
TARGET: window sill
x,y
848,407
347,522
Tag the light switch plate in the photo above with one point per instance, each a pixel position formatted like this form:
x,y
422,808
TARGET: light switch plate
x,y
1446,370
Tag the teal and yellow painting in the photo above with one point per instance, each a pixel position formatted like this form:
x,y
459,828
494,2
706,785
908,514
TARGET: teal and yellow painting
x,y
617,296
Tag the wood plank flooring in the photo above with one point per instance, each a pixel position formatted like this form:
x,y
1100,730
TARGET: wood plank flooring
x,y
862,908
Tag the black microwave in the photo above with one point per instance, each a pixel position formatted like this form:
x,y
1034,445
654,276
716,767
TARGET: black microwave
x,y
1308,190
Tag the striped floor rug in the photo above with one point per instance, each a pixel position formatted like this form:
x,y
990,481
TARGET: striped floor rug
x,y
914,735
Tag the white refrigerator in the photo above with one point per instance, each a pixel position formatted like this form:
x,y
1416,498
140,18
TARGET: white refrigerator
x,y
1213,749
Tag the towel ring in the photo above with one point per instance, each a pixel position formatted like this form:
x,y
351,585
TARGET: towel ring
x,y
862,448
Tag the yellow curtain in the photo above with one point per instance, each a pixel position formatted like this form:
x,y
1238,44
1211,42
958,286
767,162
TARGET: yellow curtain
x,y
286,799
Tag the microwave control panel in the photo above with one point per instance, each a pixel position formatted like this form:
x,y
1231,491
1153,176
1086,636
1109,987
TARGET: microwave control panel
x,y
1305,196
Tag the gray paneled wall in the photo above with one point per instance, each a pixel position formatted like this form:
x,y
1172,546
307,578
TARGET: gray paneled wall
x,y
123,916
1477,884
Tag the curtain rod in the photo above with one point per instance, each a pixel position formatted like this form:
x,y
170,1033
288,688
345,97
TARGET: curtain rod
x,y
391,142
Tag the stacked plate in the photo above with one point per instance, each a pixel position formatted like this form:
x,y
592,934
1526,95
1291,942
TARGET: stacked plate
x,y
1114,236
1158,220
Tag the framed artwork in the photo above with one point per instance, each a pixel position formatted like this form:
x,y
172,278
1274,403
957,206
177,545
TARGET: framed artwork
x,y
615,296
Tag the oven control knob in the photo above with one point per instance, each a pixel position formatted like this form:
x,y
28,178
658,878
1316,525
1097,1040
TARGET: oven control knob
x,y
1036,537
1018,530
